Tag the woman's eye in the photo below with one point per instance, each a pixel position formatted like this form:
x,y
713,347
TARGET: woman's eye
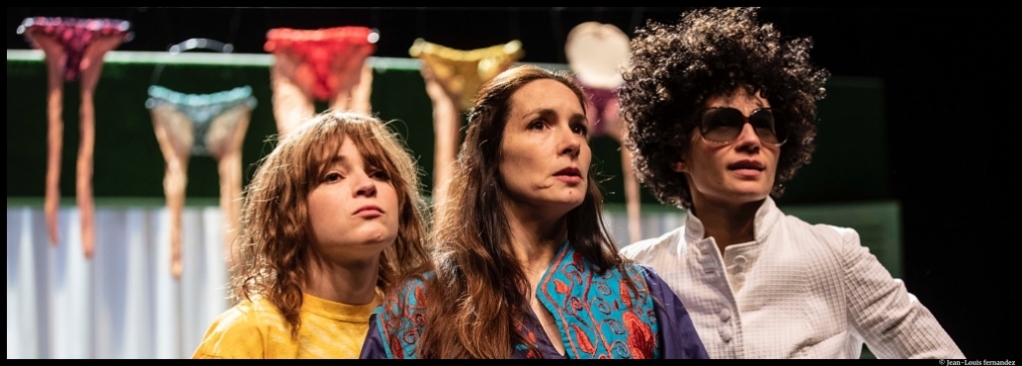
x,y
333,177
580,129
537,125
379,174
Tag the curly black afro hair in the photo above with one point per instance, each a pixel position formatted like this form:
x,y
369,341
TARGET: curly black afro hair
x,y
713,52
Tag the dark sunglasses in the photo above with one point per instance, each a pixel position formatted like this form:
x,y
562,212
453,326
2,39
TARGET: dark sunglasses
x,y
724,124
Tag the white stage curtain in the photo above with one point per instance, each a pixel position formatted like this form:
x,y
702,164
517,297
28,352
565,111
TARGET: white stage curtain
x,y
124,303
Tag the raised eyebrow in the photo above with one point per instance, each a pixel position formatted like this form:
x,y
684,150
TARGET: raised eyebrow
x,y
549,111
537,112
578,117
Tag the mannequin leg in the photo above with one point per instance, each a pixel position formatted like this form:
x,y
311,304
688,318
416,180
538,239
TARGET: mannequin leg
x,y
291,104
83,178
91,68
226,139
446,125
354,79
229,167
55,59
342,100
174,134
633,198
362,93
355,93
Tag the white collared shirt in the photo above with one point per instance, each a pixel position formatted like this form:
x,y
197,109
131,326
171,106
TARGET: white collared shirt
x,y
796,291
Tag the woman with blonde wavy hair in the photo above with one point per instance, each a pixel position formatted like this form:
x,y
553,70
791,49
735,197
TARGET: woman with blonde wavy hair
x,y
523,266
331,219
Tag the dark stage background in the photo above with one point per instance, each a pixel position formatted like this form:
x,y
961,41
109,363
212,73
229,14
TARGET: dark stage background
x,y
942,72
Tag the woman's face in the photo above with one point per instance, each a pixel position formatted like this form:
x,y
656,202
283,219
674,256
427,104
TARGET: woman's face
x,y
354,208
737,172
545,153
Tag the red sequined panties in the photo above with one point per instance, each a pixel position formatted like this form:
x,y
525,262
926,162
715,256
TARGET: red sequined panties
x,y
319,49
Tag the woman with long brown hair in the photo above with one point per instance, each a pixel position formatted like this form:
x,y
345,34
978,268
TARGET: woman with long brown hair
x,y
523,266
331,219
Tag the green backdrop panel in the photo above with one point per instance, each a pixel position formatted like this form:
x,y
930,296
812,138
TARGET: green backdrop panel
x,y
850,163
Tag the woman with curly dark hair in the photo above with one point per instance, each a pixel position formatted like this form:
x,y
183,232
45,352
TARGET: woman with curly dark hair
x,y
721,113
523,266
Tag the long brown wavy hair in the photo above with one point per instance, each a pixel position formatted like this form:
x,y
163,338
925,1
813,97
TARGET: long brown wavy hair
x,y
275,227
480,291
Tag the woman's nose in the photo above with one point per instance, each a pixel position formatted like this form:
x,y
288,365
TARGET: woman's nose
x,y
571,142
365,186
748,139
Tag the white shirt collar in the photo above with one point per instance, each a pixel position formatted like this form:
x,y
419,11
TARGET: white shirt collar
x,y
766,217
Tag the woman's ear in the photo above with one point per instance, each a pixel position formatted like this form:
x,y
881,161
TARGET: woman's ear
x,y
679,166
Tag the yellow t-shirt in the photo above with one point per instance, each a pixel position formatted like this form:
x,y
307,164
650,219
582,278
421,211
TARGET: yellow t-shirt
x,y
256,329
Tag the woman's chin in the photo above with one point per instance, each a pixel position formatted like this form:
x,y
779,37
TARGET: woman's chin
x,y
737,197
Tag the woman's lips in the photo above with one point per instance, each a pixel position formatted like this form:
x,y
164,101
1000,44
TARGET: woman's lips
x,y
747,168
369,210
570,175
746,164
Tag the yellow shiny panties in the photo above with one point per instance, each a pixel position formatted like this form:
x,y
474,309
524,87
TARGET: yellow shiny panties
x,y
462,73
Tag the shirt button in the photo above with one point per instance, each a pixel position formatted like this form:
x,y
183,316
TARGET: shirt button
x,y
740,259
725,314
725,334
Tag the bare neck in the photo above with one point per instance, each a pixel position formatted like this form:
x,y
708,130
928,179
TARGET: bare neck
x,y
727,223
348,283
535,239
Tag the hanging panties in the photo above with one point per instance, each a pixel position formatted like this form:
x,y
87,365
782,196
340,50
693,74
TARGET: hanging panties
x,y
600,98
463,72
202,110
321,48
76,35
